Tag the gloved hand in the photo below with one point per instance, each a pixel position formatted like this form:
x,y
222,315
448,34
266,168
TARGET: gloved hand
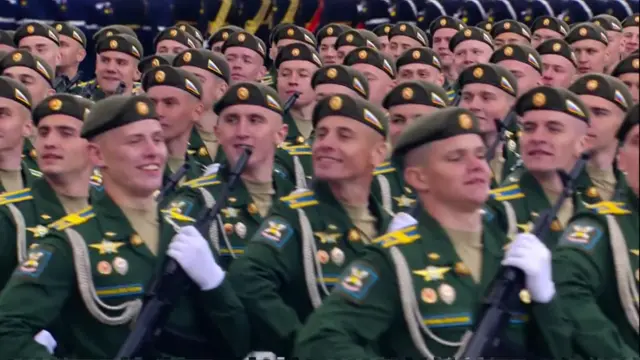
x,y
194,255
45,339
401,220
530,255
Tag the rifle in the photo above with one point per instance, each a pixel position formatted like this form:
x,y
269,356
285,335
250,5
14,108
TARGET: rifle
x,y
173,181
502,127
510,280
290,101
121,88
173,281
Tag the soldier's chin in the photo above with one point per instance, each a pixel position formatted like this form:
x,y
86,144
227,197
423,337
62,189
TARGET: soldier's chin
x,y
109,85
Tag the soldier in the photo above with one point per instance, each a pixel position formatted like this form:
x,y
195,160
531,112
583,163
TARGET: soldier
x,y
213,72
287,34
489,92
510,32
470,46
6,42
250,115
441,30
116,246
310,234
627,71
559,63
590,43
608,101
554,127
39,39
327,37
339,79
433,270
420,64
613,29
149,62
546,28
382,32
173,41
64,188
219,37
246,55
596,261
73,50
631,34
404,36
351,39
379,69
15,106
523,62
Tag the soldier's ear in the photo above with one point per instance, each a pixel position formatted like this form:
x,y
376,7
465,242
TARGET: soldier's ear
x,y
198,110
137,75
416,178
281,134
441,79
379,153
51,92
81,54
95,155
28,130
262,72
220,88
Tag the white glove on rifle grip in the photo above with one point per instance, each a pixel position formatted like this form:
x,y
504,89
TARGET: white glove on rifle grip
x,y
401,220
530,255
45,339
194,255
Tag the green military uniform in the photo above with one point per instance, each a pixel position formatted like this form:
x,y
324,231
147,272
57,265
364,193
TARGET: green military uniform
x,y
95,262
411,293
295,256
595,269
63,83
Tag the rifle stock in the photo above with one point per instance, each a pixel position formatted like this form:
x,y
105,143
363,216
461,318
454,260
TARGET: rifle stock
x,y
502,127
290,101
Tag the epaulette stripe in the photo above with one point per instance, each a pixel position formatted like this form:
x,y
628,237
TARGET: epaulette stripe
x,y
298,205
15,196
298,153
35,173
203,181
296,196
504,189
399,237
383,171
608,208
73,219
297,147
177,216
509,197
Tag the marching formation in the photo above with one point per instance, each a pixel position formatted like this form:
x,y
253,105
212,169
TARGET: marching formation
x,y
412,188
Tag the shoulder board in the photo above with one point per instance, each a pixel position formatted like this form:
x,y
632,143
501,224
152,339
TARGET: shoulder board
x,y
451,95
506,193
74,219
35,173
175,213
15,196
384,168
210,169
403,236
95,179
300,199
203,181
608,208
85,83
297,150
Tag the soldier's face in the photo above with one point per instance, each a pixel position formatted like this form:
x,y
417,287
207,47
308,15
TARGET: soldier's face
x,y
217,47
400,44
542,35
324,90
384,44
327,51
131,157
400,116
510,38
43,47
416,71
631,39
470,52
557,71
251,126
61,151
487,103
632,80
606,119
343,51
38,87
614,48
170,47
441,39
245,64
345,150
527,76
71,52
628,158
15,124
551,140
592,56
380,83
177,110
213,87
113,67
295,76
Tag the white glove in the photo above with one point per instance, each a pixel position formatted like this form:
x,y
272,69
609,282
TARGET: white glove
x,y
401,220
45,339
194,255
530,255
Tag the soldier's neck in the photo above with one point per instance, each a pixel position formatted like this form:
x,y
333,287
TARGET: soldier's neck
x,y
353,192
304,112
68,71
11,159
490,138
463,217
603,159
127,199
449,74
71,185
259,173
549,180
207,122
177,147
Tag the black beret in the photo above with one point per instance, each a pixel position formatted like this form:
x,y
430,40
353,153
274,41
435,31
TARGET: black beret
x,y
554,99
294,32
629,122
382,29
357,109
630,64
607,22
366,55
297,51
117,111
245,40
521,53
587,31
438,125
154,60
66,104
6,39
72,31
416,92
223,34
35,28
175,34
193,31
604,86
113,30
558,47
21,57
370,36
551,23
470,33
250,93
354,38
489,74
485,25
274,31
330,30
14,90
206,60
165,75
421,55
511,26
632,20
445,22
410,30
123,43
344,76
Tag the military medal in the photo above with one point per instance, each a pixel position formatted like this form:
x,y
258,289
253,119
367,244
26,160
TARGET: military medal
x,y
433,256
104,268
337,256
252,208
120,265
447,293
228,229
429,295
353,235
241,230
525,296
136,240
323,257
462,269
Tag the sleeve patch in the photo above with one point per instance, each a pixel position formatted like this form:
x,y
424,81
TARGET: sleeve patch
x,y
36,262
275,231
356,281
584,234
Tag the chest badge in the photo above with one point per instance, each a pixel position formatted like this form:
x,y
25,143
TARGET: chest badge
x,y
404,201
447,293
432,273
107,247
327,238
120,265
429,296
38,231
